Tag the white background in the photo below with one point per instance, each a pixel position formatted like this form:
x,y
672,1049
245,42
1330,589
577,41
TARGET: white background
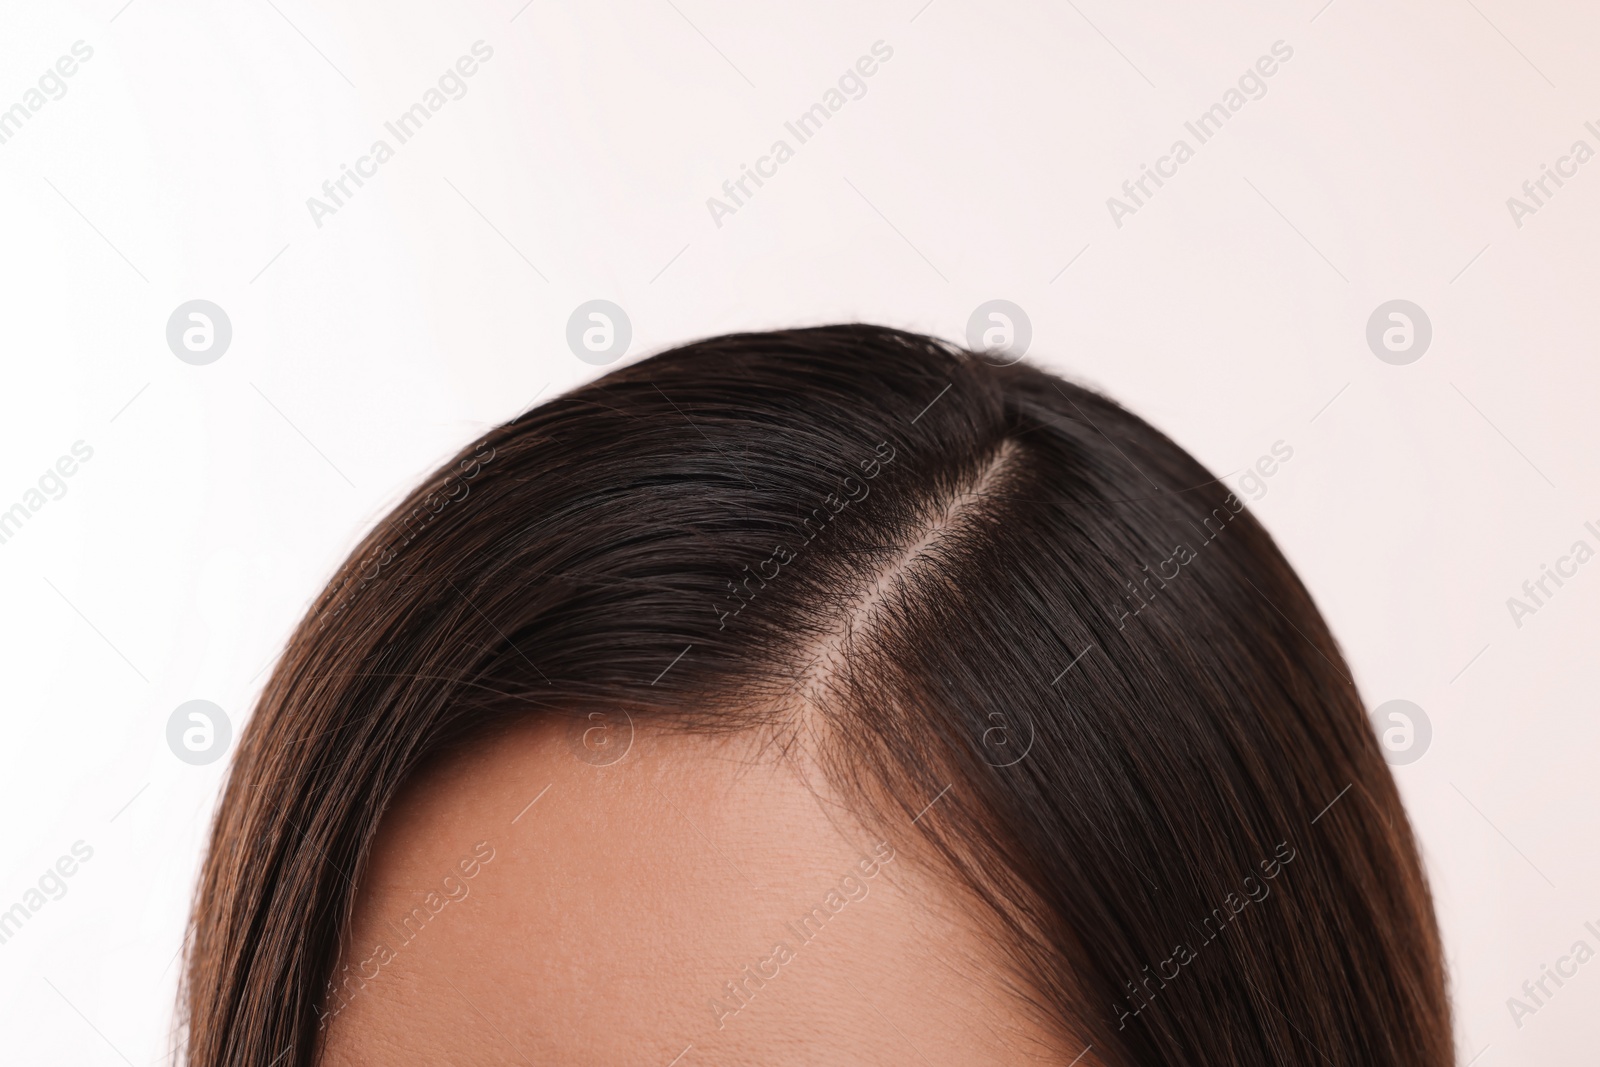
x,y
1230,311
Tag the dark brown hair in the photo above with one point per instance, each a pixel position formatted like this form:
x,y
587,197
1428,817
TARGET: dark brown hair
x,y
969,578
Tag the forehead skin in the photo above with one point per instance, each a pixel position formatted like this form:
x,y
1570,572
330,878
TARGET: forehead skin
x,y
603,922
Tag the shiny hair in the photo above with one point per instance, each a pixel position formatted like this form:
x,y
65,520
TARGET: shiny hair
x,y
971,582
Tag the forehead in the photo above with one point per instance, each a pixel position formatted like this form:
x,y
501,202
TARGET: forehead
x,y
530,902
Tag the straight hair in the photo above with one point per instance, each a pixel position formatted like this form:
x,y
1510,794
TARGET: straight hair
x,y
966,580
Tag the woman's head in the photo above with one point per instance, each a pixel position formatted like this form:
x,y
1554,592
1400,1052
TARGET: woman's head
x,y
967,664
